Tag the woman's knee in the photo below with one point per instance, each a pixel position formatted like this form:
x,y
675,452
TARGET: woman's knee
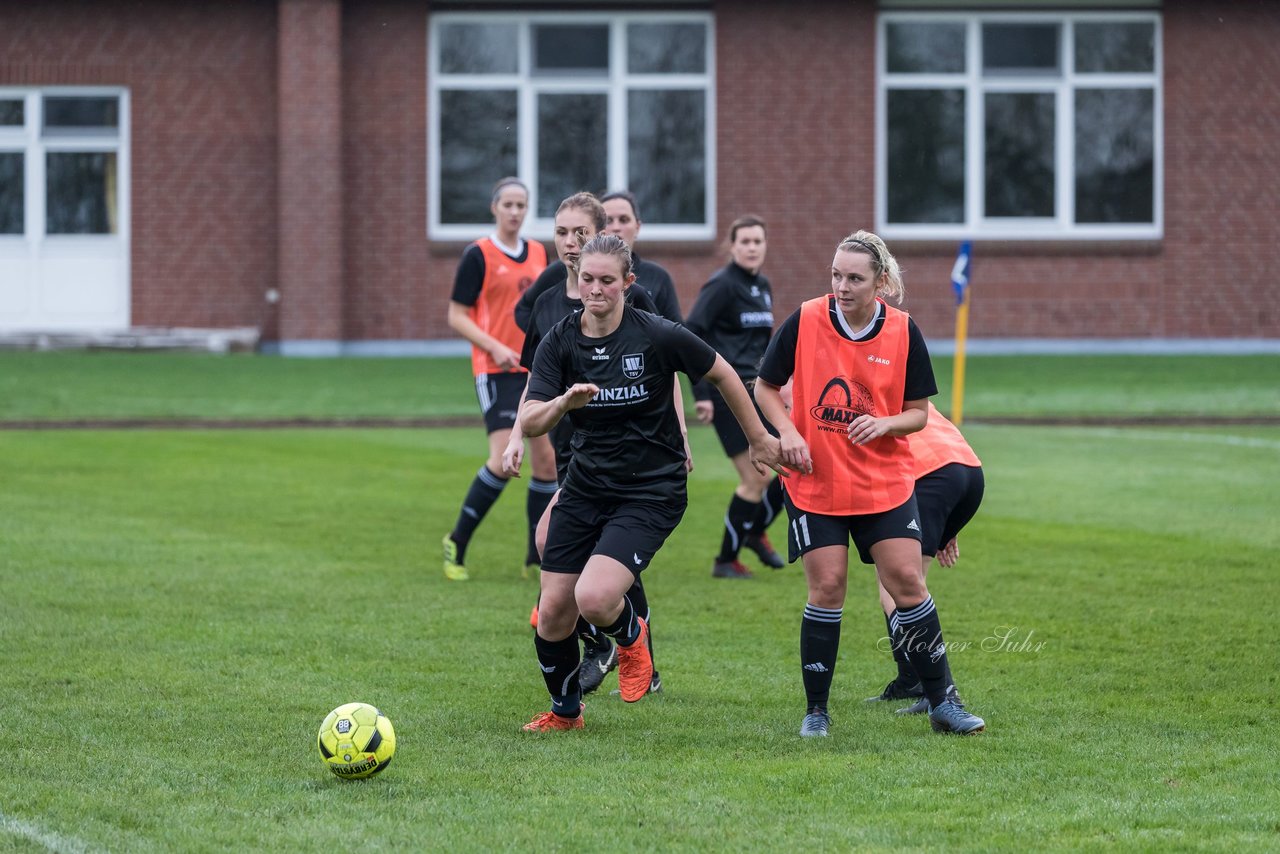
x,y
596,604
904,582
557,612
828,580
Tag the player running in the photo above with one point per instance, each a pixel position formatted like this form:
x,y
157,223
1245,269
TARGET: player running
x,y
610,369
578,219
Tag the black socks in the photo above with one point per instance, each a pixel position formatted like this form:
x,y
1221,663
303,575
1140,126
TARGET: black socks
x,y
484,491
819,643
559,662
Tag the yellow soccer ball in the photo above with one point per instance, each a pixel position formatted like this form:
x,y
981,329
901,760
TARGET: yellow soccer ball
x,y
356,741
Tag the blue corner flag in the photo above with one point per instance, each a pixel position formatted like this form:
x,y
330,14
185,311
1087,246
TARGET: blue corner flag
x,y
960,272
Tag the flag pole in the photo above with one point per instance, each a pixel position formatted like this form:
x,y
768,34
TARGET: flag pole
x,y
960,284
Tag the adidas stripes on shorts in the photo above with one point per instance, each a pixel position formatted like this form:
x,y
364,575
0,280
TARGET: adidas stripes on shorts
x,y
808,531
499,395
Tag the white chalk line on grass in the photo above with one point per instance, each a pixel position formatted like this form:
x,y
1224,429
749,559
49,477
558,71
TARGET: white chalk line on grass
x,y
34,833
1179,436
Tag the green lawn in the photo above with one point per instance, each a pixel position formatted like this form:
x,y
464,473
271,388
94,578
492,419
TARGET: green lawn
x,y
183,607
53,386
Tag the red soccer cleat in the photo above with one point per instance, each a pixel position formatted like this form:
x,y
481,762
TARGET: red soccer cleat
x,y
551,722
635,666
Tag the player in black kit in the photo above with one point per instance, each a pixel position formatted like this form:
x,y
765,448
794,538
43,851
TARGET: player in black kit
x,y
578,218
734,314
610,369
622,217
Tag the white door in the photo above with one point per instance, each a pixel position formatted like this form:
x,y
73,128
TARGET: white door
x,y
64,210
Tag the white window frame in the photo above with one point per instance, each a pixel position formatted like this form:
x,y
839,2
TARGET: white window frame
x,y
1061,225
29,140
528,86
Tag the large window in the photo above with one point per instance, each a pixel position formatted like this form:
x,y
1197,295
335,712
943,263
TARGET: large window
x,y
571,102
1019,126
59,163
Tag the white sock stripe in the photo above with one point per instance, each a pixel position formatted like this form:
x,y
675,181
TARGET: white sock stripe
x,y
564,686
546,487
823,615
916,614
490,479
733,534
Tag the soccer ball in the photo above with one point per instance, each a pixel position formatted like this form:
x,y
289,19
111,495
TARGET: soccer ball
x,y
356,741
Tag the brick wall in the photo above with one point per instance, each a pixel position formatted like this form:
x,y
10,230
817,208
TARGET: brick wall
x,y
795,111
1222,168
310,171
396,288
202,82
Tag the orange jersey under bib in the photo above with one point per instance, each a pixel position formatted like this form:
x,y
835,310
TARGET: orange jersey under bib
x,y
505,279
835,381
940,443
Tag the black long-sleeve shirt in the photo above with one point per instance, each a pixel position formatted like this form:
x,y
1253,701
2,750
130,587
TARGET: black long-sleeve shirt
x,y
734,314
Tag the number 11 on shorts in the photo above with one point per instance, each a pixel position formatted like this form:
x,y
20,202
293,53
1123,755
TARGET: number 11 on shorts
x,y
800,531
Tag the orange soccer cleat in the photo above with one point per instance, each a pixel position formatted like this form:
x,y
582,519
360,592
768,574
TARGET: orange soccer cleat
x,y
550,722
635,666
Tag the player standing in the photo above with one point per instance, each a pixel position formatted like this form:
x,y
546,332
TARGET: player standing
x,y
490,278
734,314
949,488
861,379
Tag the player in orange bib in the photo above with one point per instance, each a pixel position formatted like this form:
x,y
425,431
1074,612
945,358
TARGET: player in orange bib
x,y
949,487
861,379
492,274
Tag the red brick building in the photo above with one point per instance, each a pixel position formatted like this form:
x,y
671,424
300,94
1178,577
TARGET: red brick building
x,y
182,162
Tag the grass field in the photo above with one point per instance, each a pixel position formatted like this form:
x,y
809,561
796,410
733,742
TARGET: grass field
x,y
182,607
53,386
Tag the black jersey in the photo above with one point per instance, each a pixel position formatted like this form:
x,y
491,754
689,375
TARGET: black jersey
x,y
627,440
549,309
780,359
734,314
653,278
554,306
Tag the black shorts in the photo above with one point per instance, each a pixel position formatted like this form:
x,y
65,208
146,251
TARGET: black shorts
x,y
499,396
948,498
809,531
627,530
732,439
